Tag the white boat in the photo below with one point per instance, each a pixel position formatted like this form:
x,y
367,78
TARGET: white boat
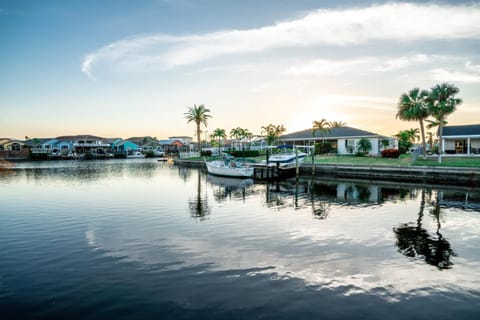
x,y
287,159
136,154
229,168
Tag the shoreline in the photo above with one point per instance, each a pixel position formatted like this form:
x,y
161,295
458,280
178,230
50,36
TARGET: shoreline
x,y
425,174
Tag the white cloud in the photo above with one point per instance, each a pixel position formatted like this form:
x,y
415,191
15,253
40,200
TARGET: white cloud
x,y
338,27
455,76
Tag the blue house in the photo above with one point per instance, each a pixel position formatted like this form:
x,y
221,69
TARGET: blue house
x,y
123,147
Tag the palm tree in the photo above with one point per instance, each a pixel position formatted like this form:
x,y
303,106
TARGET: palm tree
x,y
237,133
323,126
337,124
413,134
412,106
441,103
220,134
364,146
199,115
272,132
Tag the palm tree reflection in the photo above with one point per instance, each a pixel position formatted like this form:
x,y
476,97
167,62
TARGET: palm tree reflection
x,y
199,207
415,241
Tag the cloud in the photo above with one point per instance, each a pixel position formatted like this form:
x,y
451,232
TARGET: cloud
x,y
455,76
332,27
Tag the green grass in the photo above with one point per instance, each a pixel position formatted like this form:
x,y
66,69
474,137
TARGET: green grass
x,y
450,162
403,161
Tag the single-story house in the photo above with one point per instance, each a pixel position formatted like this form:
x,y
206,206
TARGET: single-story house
x,y
462,139
343,139
11,145
173,146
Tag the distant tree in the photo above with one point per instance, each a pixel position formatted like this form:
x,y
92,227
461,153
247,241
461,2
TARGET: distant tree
x,y
323,126
336,124
219,134
413,134
364,146
441,103
412,106
404,141
273,132
200,115
385,143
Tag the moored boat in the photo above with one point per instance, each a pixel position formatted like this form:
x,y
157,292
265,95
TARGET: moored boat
x,y
229,168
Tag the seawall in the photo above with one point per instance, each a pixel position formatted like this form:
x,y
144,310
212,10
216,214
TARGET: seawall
x,y
433,175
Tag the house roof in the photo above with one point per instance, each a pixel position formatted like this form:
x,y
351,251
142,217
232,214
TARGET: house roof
x,y
169,141
80,137
335,133
462,130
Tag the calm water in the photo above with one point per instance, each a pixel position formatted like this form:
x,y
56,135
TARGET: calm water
x,y
133,239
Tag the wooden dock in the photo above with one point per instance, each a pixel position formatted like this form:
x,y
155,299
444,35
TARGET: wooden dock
x,y
271,171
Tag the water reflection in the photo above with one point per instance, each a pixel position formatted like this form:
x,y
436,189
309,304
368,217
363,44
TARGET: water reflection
x,y
199,207
415,242
229,188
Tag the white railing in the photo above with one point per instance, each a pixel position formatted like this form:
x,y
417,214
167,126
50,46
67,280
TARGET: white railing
x,y
190,154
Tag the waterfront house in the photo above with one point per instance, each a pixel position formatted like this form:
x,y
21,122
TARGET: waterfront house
x,y
343,139
62,147
122,147
42,145
173,146
88,144
11,144
461,139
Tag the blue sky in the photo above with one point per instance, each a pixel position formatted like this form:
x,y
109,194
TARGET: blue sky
x,y
123,68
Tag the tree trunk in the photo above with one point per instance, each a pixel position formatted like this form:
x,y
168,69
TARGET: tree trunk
x,y
440,141
198,138
424,145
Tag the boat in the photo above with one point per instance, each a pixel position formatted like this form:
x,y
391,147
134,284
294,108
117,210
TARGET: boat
x,y
287,159
136,154
229,168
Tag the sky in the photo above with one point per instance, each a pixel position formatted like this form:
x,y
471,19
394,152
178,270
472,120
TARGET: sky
x,y
119,68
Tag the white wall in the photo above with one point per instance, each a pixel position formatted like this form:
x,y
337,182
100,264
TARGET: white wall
x,y
341,149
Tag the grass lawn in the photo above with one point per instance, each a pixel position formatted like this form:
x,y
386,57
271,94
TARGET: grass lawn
x,y
403,161
450,161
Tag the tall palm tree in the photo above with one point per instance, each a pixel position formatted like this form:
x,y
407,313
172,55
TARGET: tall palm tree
x,y
200,115
220,134
441,103
337,124
323,126
412,106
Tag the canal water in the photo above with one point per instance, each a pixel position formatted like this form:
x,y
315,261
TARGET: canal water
x,y
141,239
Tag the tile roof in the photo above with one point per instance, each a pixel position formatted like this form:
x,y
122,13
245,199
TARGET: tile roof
x,y
462,130
340,132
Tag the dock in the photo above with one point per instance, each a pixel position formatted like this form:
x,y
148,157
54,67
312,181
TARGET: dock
x,y
271,171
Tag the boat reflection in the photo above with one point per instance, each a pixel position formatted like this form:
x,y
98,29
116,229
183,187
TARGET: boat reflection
x,y
229,188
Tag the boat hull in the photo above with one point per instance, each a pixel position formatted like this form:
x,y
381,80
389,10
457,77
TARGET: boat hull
x,y
220,169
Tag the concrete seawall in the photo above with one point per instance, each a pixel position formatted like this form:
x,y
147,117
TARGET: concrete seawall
x,y
434,175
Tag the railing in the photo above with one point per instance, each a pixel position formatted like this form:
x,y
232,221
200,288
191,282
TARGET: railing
x,y
190,154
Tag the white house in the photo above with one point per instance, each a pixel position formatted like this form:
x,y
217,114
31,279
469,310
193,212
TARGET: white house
x,y
343,139
463,139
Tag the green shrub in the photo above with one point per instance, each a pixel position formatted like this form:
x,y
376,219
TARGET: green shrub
x,y
323,147
245,153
